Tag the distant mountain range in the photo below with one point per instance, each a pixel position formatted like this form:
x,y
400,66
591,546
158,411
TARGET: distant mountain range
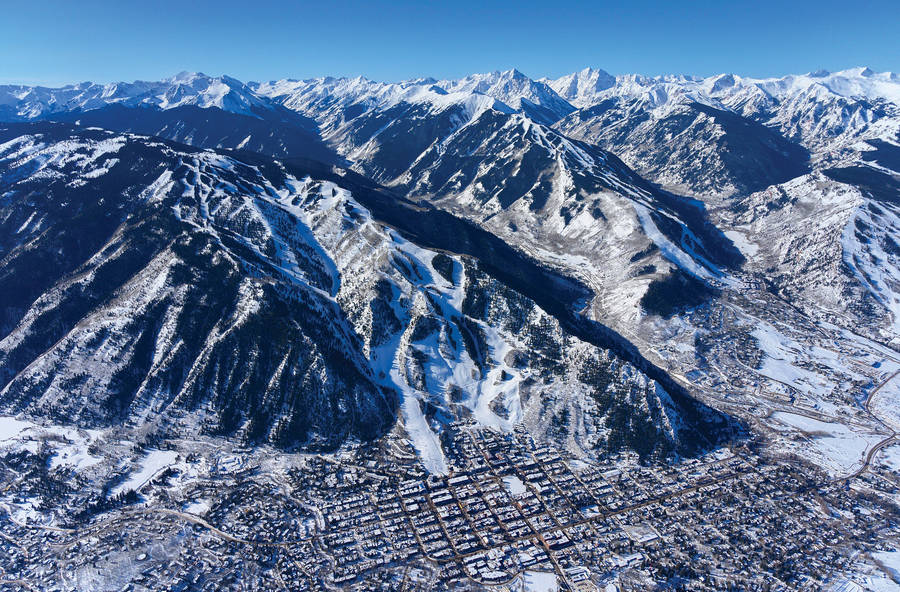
x,y
304,262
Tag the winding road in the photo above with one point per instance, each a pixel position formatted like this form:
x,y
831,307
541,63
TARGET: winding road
x,y
884,443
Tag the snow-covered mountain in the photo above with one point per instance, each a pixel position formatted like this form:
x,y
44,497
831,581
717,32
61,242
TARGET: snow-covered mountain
x,y
511,90
200,110
712,137
689,146
788,164
635,117
264,300
566,202
582,88
630,216
591,87
138,277
823,114
827,239
533,98
184,89
477,147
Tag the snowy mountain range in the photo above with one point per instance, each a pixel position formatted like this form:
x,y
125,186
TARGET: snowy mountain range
x,y
593,257
199,90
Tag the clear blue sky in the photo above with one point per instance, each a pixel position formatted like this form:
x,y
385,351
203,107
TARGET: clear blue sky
x,y
54,42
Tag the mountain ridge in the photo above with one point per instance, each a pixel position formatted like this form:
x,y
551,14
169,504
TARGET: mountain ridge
x,y
237,246
634,217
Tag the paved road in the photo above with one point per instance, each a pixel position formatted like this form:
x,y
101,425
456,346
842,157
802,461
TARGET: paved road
x,y
884,443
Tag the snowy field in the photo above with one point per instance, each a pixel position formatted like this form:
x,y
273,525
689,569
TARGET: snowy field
x,y
747,247
881,574
540,581
153,463
886,403
197,507
783,362
834,446
890,571
69,446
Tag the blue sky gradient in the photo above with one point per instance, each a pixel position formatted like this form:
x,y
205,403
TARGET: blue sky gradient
x,y
54,42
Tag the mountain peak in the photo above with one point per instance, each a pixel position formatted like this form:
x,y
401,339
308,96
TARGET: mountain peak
x,y
513,74
723,82
581,88
590,71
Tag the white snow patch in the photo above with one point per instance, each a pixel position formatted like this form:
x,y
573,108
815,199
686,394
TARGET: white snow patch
x,y
744,245
76,457
540,581
10,428
154,462
514,485
26,223
199,507
886,403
